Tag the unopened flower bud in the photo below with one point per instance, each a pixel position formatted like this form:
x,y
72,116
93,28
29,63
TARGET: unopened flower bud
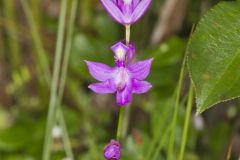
x,y
112,151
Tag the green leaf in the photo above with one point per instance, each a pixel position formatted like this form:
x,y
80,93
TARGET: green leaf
x,y
214,56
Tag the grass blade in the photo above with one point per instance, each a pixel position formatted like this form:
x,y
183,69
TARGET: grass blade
x,y
54,84
186,122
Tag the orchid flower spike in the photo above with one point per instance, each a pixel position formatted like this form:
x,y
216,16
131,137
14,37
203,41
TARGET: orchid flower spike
x,y
126,12
112,151
125,78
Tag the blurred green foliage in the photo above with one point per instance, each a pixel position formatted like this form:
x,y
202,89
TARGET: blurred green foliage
x,y
91,119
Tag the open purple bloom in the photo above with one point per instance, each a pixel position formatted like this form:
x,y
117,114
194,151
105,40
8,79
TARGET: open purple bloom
x,y
125,78
126,12
112,151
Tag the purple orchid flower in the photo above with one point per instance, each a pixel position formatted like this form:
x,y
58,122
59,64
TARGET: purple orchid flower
x,y
112,151
125,78
126,12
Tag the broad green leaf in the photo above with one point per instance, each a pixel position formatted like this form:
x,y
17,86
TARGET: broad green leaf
x,y
214,56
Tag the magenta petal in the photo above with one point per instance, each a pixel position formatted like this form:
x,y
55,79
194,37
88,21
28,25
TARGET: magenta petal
x,y
126,7
140,10
112,151
140,69
135,3
124,97
121,5
131,52
100,71
139,87
120,50
113,10
119,45
102,87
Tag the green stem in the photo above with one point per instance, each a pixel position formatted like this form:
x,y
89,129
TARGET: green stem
x,y
14,47
67,51
158,134
229,153
174,120
2,45
65,137
40,51
128,34
127,110
56,72
186,123
36,10
161,143
119,123
68,47
175,114
44,65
